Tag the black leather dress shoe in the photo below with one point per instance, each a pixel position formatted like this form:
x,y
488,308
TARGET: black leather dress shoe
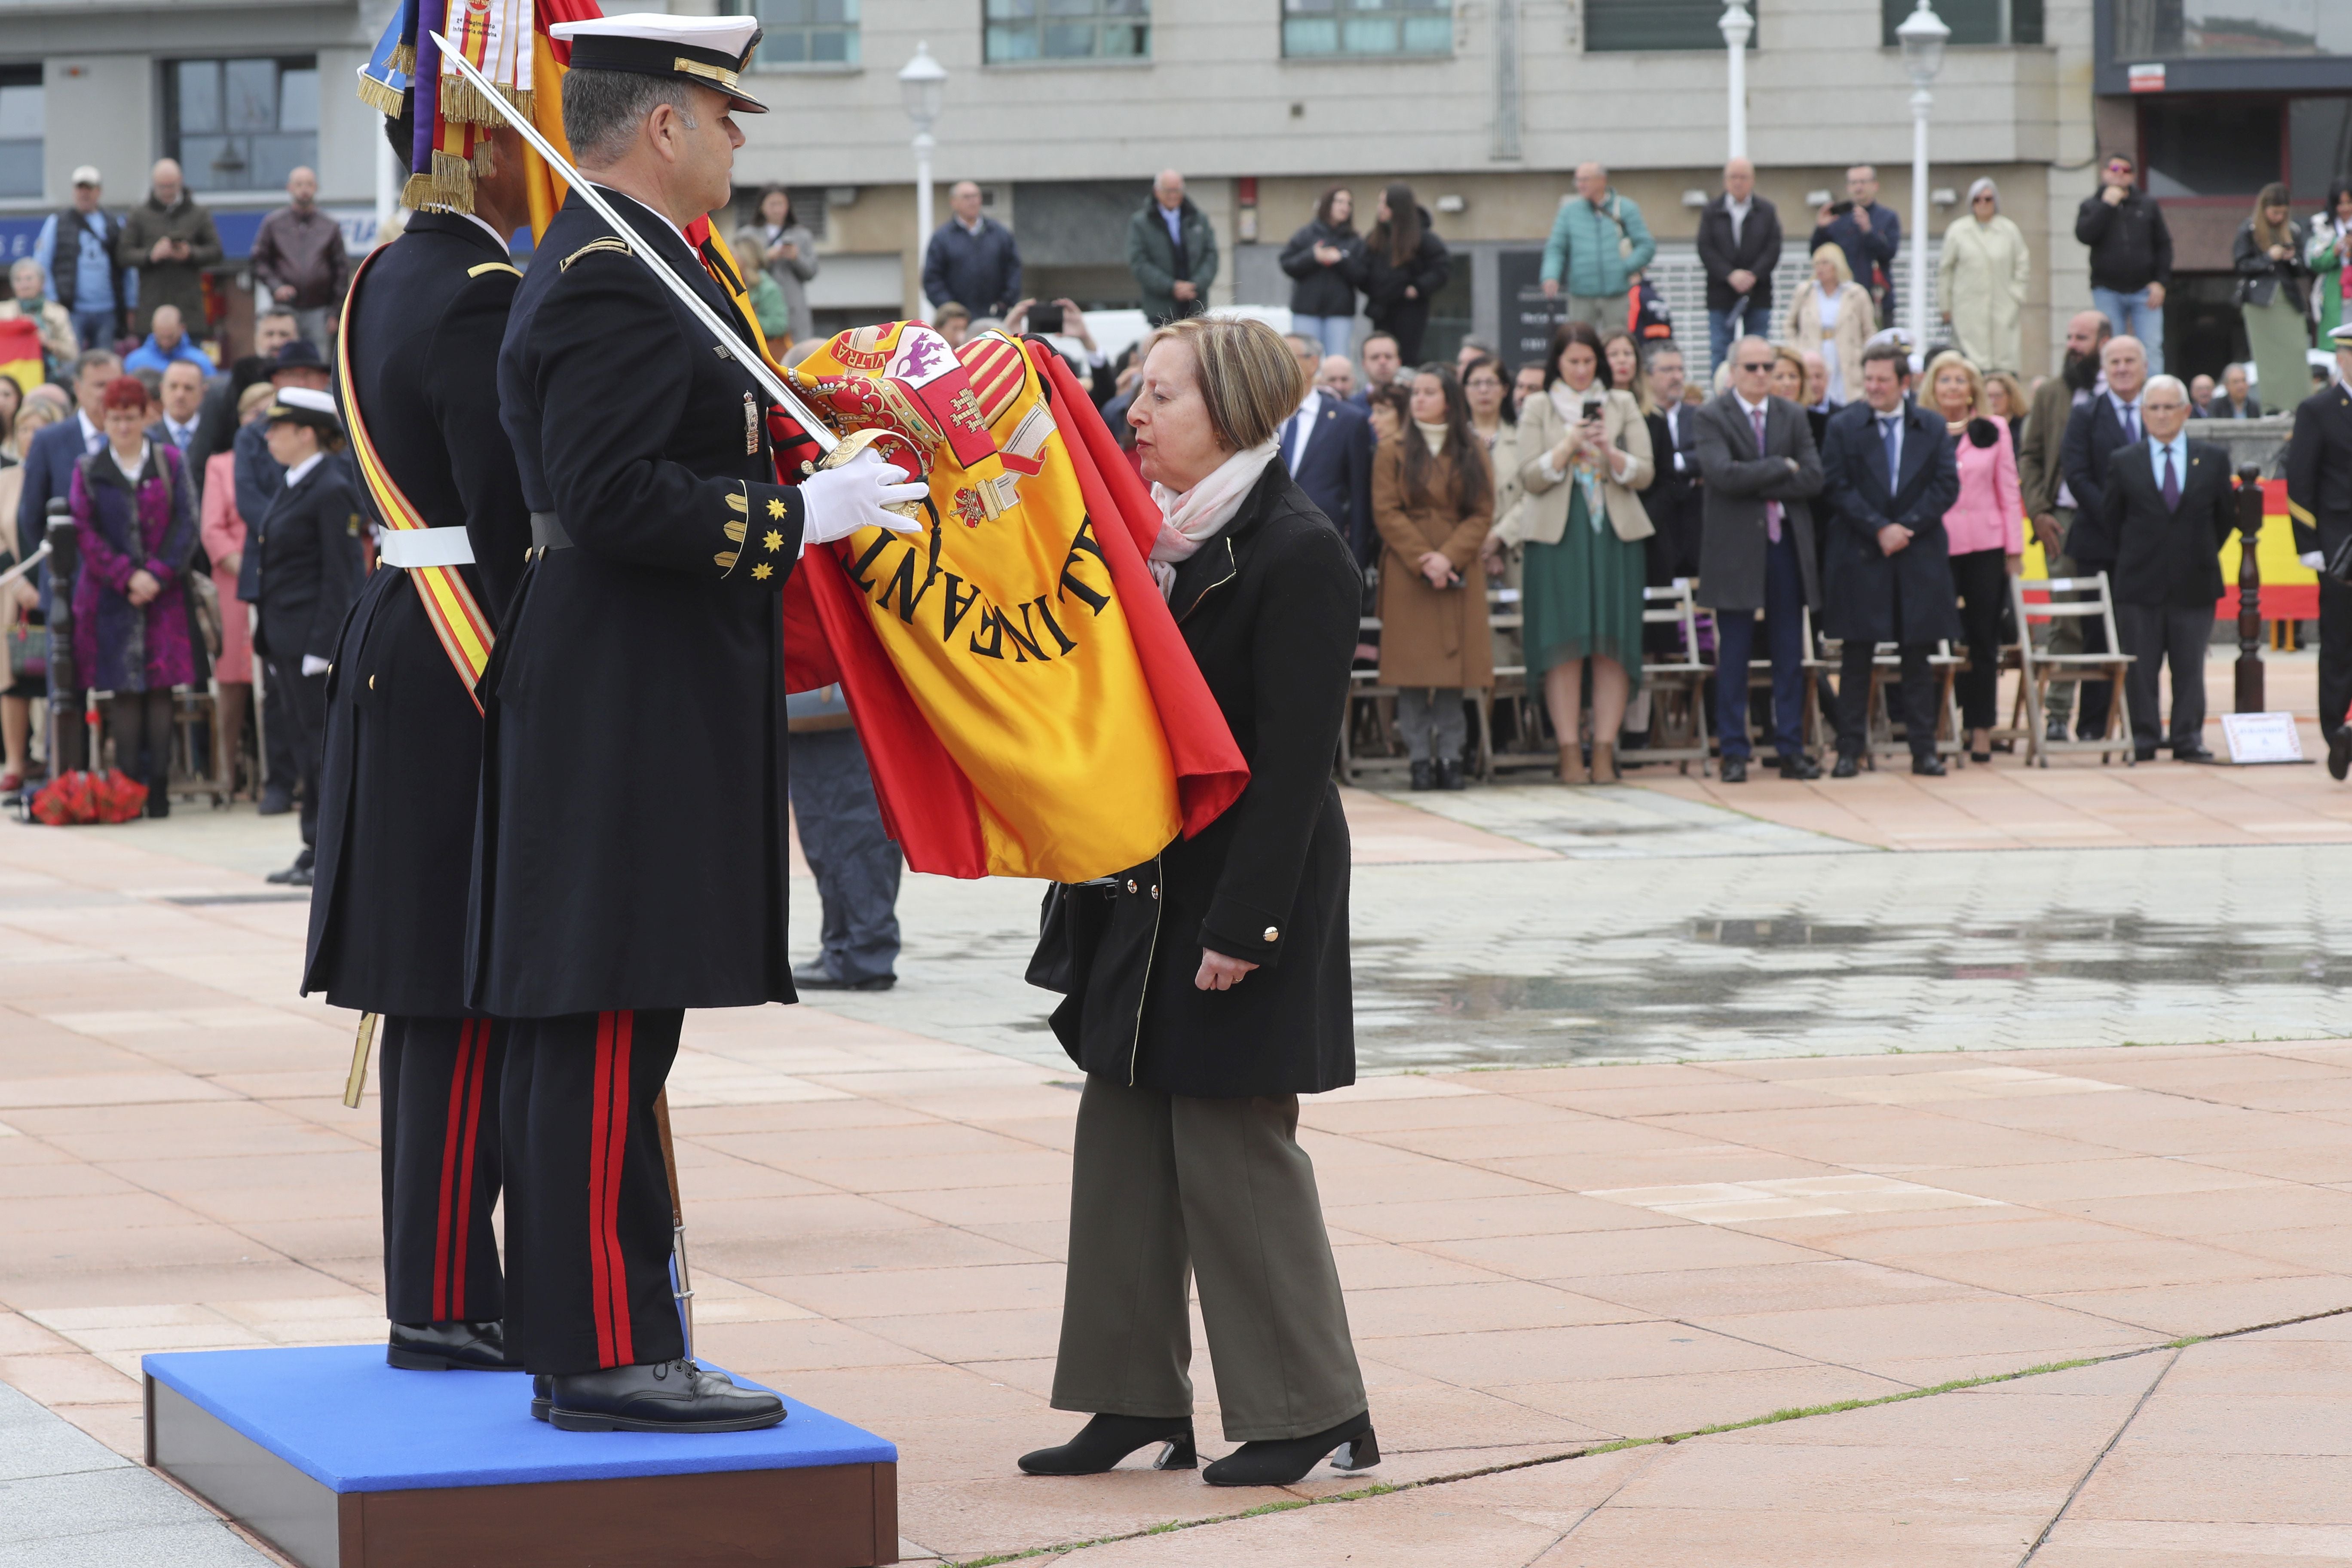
x,y
2195,752
817,978
667,1397
2143,754
449,1347
1424,776
1734,770
1929,767
1449,773
1799,768
1104,1441
1281,1462
542,1390
1846,767
2339,752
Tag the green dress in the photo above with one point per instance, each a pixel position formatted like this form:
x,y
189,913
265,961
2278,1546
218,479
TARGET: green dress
x,y
1582,597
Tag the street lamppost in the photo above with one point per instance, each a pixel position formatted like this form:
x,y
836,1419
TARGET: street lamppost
x,y
1736,25
923,82
1922,36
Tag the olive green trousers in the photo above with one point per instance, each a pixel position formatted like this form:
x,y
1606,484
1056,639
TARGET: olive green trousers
x,y
1166,1188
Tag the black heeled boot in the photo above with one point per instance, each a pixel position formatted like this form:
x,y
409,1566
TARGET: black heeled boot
x,y
1104,1441
1284,1461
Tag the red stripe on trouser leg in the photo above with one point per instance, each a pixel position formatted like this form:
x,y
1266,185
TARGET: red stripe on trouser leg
x,y
617,1273
480,1030
453,1125
599,1219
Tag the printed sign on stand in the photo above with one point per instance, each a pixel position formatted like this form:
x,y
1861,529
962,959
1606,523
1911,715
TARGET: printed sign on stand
x,y
2254,738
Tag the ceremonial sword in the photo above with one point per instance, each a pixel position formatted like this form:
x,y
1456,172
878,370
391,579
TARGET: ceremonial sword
x,y
838,450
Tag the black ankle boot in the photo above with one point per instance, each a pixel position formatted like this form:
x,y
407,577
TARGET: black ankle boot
x,y
1104,1441
1284,1461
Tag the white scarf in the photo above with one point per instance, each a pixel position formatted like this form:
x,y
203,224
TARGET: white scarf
x,y
1188,520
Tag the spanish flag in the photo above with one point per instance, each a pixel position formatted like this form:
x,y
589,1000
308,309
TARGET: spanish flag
x,y
20,353
1027,704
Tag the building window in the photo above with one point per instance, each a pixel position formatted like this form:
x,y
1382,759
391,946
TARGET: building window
x,y
1619,25
241,125
2319,145
1021,30
1318,28
20,131
2176,29
2212,147
1971,21
803,32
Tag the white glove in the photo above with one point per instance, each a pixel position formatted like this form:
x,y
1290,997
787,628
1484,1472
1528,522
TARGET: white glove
x,y
837,502
314,665
2313,559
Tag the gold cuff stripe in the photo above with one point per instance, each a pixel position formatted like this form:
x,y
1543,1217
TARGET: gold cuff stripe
x,y
740,503
735,531
493,266
609,242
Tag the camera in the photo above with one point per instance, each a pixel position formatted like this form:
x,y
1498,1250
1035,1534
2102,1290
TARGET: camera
x,y
1045,321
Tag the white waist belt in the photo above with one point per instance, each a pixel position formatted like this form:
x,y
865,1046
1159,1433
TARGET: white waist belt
x,y
424,547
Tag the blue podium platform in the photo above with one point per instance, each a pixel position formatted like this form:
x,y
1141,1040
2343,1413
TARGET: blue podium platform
x,y
340,1461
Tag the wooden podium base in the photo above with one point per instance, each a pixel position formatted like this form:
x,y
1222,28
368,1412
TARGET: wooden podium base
x,y
340,1461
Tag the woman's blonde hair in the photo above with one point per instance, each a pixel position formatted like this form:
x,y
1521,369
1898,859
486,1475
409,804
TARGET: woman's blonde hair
x,y
1249,378
2272,195
39,410
1790,353
253,397
1952,359
1835,258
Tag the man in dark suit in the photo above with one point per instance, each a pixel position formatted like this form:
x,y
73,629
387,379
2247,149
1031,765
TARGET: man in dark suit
x,y
2095,429
1673,500
2165,510
1382,361
1760,470
1328,447
1738,245
402,763
48,464
1888,475
2319,504
650,470
2237,400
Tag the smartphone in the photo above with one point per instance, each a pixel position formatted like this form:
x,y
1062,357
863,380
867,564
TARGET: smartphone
x,y
1044,321
1592,406
1840,208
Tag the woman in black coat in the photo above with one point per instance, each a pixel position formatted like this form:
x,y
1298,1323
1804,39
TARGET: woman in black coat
x,y
1403,265
1322,259
1208,988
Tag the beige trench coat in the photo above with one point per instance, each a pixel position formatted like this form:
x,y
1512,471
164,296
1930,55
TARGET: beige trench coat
x,y
1430,636
1981,280
1542,517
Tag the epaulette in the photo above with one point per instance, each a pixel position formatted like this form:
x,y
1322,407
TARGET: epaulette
x,y
609,242
493,266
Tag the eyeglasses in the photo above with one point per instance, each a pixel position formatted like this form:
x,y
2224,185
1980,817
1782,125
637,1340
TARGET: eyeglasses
x,y
1754,366
1979,201
2119,167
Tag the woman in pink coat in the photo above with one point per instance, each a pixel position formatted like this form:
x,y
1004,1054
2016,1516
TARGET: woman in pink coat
x,y
1985,528
224,536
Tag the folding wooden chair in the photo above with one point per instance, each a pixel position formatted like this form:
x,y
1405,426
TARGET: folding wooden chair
x,y
2040,666
1677,682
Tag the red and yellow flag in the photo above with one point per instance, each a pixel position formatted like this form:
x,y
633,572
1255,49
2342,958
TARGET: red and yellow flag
x,y
1026,703
20,353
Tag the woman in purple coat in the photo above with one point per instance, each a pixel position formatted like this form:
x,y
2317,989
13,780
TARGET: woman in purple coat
x,y
135,517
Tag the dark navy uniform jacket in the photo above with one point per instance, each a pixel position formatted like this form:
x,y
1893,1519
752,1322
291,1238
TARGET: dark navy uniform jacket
x,y
403,769
2319,471
631,852
308,565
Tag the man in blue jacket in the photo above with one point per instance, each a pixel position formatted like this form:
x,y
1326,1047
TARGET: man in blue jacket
x,y
971,259
1328,446
1869,232
1598,243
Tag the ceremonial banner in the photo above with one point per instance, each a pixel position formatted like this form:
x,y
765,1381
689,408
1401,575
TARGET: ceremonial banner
x,y
1025,700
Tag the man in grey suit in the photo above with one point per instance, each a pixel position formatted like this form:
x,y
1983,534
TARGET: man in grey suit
x,y
1756,455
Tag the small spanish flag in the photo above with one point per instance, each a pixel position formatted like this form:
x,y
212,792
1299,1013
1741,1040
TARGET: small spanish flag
x,y
20,353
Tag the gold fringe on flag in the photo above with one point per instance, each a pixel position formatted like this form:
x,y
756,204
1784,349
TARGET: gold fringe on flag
x,y
404,59
462,103
379,97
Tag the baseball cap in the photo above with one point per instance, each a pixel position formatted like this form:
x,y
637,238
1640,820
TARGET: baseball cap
x,y
87,176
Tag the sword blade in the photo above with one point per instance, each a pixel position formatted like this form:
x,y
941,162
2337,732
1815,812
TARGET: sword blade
x,y
749,358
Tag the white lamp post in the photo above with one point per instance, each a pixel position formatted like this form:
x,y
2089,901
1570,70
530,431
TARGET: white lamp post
x,y
924,82
1736,25
1922,36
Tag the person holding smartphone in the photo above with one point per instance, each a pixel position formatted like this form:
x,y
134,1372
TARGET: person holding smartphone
x,y
1583,450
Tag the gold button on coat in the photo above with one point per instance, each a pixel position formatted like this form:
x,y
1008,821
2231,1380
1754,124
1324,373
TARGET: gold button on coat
x,y
1272,934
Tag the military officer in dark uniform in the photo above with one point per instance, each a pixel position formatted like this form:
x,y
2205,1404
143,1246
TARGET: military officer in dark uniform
x,y
307,564
631,861
2319,503
402,770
